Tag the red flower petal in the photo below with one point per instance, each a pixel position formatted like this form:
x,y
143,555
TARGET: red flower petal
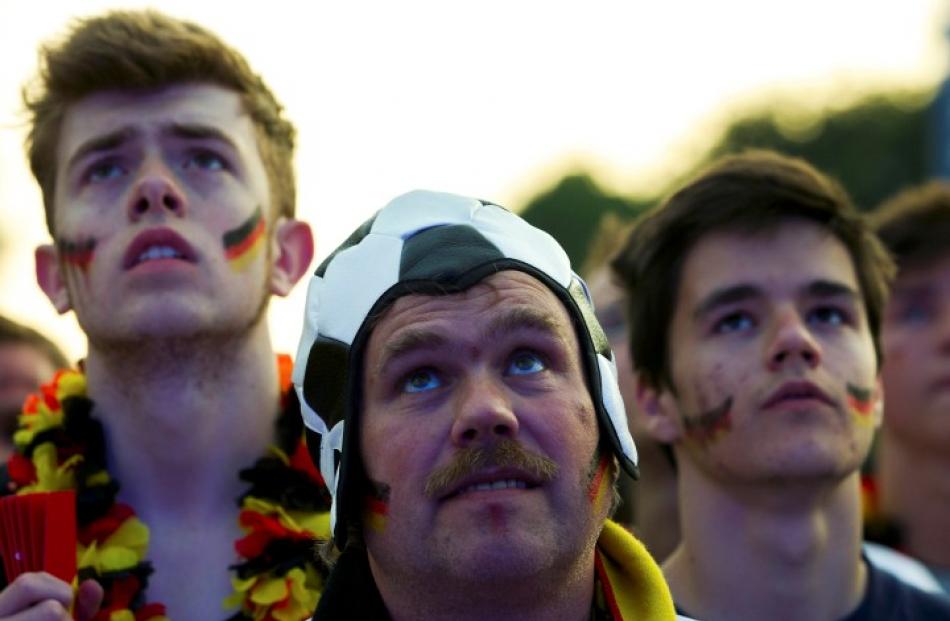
x,y
301,461
148,611
99,530
21,470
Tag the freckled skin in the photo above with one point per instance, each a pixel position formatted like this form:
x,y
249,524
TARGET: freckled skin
x,y
781,336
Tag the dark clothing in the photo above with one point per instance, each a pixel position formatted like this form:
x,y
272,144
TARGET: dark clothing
x,y
888,598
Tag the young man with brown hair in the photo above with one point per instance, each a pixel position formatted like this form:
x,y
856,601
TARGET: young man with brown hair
x,y
913,463
166,169
756,295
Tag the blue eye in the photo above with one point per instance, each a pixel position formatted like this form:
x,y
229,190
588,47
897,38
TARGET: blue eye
x,y
206,160
828,315
421,380
103,171
734,322
915,314
525,363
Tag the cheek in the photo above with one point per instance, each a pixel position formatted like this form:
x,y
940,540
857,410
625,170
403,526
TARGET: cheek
x,y
77,253
243,243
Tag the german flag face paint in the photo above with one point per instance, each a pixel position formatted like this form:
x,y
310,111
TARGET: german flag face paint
x,y
242,244
599,486
77,253
376,506
861,402
710,426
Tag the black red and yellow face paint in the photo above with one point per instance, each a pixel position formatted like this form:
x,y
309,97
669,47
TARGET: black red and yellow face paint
x,y
709,426
861,403
78,253
598,490
243,243
376,506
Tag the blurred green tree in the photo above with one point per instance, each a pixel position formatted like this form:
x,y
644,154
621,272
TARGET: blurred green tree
x,y
875,147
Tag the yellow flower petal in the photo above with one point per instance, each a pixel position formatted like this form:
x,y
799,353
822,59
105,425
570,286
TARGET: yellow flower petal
x,y
269,591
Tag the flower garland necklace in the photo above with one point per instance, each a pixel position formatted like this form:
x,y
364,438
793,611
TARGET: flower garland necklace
x,y
60,446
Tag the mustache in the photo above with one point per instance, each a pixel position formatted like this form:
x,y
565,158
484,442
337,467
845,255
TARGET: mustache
x,y
505,453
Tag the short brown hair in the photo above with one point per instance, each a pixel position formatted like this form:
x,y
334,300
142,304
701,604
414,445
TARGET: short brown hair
x,y
13,333
751,192
144,50
915,224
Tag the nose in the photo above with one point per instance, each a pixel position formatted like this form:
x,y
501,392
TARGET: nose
x,y
792,343
483,412
155,191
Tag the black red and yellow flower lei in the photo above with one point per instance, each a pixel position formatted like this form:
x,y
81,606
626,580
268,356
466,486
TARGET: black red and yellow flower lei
x,y
61,446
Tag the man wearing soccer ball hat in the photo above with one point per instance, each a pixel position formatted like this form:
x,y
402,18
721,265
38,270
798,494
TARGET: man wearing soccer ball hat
x,y
462,405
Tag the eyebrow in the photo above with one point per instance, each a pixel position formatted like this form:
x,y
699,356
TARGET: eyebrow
x,y
198,131
726,296
745,292
105,142
830,289
511,320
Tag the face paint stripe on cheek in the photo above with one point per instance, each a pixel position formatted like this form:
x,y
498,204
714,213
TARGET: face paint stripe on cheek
x,y
861,402
376,506
242,244
710,425
77,253
596,491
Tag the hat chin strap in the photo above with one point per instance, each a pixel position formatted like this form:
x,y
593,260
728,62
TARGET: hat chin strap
x,y
330,443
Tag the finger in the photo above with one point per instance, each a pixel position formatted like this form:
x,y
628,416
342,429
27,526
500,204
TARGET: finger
x,y
48,610
88,600
31,588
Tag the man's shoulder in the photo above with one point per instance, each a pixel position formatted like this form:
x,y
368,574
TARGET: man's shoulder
x,y
904,567
890,598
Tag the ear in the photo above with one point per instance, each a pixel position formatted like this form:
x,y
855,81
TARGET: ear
x,y
292,253
50,277
878,401
659,412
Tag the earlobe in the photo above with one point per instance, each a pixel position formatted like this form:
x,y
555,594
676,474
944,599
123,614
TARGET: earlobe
x,y
50,277
659,410
292,253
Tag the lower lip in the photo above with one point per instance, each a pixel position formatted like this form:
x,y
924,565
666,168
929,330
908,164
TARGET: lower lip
x,y
160,265
797,404
491,494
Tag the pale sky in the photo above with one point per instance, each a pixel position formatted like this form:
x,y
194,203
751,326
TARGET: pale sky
x,y
494,98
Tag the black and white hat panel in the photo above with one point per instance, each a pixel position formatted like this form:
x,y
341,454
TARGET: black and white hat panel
x,y
617,414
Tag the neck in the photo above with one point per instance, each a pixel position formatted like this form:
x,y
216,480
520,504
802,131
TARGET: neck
x,y
182,417
752,551
915,491
566,597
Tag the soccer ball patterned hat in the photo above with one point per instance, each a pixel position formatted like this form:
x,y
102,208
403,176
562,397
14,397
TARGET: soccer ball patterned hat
x,y
425,243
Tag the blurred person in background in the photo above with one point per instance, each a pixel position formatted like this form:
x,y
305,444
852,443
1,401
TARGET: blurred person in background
x,y
648,506
27,359
913,460
756,295
166,168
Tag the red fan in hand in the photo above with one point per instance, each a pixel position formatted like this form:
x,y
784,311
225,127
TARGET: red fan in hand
x,y
38,533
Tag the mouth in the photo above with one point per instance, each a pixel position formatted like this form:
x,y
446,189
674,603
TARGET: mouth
x,y
489,482
796,392
161,244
